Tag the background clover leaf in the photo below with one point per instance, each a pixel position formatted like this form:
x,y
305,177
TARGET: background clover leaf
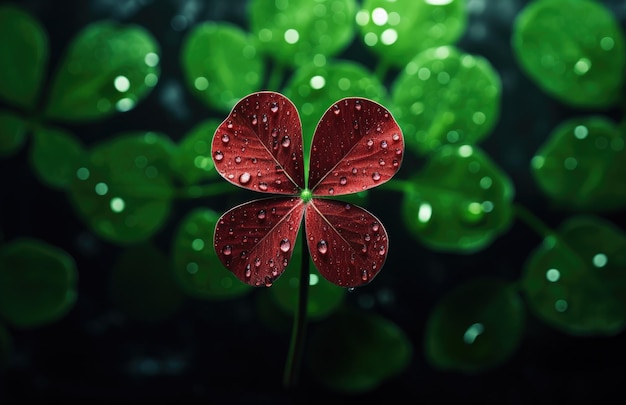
x,y
475,327
109,67
578,56
297,32
38,283
446,96
581,165
124,190
13,130
221,64
460,201
396,31
192,159
23,56
575,279
336,351
55,156
196,267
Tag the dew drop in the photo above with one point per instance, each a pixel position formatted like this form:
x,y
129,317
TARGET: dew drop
x,y
381,251
286,141
238,159
355,124
367,237
227,250
274,132
274,107
354,170
244,178
364,275
264,119
231,231
364,249
270,263
375,176
263,186
218,155
381,161
343,180
248,271
261,214
395,137
336,109
285,262
331,191
225,138
322,247
229,125
285,245
268,281
254,120
370,143
257,262
375,226
383,144
357,105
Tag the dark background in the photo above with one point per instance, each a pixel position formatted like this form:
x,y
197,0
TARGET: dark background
x,y
208,352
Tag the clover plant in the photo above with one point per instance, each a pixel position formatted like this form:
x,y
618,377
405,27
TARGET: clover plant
x,y
307,121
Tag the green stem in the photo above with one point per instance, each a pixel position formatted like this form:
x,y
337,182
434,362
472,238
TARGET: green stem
x,y
381,70
402,186
296,346
206,190
533,221
276,77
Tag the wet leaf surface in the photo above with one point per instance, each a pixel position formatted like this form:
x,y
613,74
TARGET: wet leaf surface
x,y
298,31
446,96
460,202
357,145
398,30
259,145
575,280
348,244
581,165
255,240
108,67
578,56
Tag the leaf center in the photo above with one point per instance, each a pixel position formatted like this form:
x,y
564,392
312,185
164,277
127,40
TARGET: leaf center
x,y
306,195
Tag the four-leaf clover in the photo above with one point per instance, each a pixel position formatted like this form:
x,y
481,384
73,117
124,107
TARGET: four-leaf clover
x,y
357,145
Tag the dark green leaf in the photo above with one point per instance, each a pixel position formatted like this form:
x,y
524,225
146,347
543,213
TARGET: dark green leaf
x,y
108,67
355,352
13,130
192,160
574,50
23,56
297,32
55,156
398,30
576,280
196,267
124,191
444,96
460,200
475,327
37,282
142,285
221,64
582,164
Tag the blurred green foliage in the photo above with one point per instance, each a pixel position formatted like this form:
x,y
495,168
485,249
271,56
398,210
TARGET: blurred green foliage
x,y
459,201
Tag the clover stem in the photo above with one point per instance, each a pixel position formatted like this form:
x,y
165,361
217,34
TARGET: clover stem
x,y
533,222
207,190
294,357
276,77
398,185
